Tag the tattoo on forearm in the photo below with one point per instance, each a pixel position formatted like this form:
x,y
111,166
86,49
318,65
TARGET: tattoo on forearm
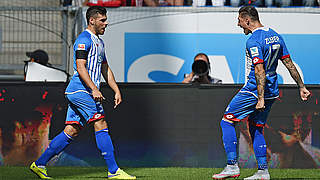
x,y
293,71
261,81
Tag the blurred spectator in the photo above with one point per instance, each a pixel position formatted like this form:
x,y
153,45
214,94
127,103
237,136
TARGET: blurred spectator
x,y
287,3
79,2
66,2
236,3
173,2
104,3
200,71
39,56
258,3
139,3
37,68
154,3
274,3
207,3
309,3
278,3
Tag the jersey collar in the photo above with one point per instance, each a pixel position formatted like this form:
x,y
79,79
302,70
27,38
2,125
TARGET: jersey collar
x,y
92,33
261,28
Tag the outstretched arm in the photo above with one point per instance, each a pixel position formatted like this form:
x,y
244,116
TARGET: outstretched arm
x,y
109,77
260,76
304,93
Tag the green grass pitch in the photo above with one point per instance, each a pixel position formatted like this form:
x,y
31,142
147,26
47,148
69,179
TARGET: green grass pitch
x,y
171,173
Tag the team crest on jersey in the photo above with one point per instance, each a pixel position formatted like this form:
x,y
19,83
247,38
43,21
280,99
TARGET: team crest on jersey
x,y
81,47
254,51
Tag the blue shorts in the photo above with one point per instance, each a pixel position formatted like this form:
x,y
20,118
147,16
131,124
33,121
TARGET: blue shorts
x,y
83,109
243,105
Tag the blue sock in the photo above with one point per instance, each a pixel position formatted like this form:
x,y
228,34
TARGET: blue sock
x,y
58,143
229,138
104,144
259,146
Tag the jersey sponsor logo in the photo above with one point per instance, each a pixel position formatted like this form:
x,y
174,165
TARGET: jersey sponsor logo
x,y
81,47
100,59
254,51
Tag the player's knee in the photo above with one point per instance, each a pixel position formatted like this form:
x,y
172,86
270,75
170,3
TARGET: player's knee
x,y
72,130
100,125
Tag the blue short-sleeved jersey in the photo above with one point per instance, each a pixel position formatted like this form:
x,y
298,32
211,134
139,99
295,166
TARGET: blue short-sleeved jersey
x,y
96,56
267,47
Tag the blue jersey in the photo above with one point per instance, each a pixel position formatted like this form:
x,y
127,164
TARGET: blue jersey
x,y
267,47
96,56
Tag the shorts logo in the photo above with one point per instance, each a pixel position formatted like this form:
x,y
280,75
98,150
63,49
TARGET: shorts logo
x,y
255,60
81,47
229,116
254,51
97,116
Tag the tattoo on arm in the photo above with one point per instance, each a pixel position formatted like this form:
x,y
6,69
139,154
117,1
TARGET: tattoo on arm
x,y
260,76
293,71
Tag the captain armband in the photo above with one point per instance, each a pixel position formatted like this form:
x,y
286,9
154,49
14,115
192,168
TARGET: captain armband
x,y
81,54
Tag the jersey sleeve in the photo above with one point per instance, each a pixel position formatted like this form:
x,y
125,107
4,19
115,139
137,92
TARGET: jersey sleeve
x,y
285,52
255,51
82,45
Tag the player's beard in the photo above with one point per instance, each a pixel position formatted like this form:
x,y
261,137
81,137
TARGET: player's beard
x,y
100,30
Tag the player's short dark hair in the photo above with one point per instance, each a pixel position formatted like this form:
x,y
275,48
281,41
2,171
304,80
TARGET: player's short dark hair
x,y
249,11
94,10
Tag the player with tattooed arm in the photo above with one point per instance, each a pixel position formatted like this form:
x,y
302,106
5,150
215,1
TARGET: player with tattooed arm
x,y
263,50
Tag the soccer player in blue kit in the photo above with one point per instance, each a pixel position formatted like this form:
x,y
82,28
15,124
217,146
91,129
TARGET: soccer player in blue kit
x,y
263,50
85,98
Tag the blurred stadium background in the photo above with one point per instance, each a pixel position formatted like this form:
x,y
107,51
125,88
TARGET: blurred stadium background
x,y
27,25
160,131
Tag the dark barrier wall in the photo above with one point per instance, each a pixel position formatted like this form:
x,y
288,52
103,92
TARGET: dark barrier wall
x,y
157,125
